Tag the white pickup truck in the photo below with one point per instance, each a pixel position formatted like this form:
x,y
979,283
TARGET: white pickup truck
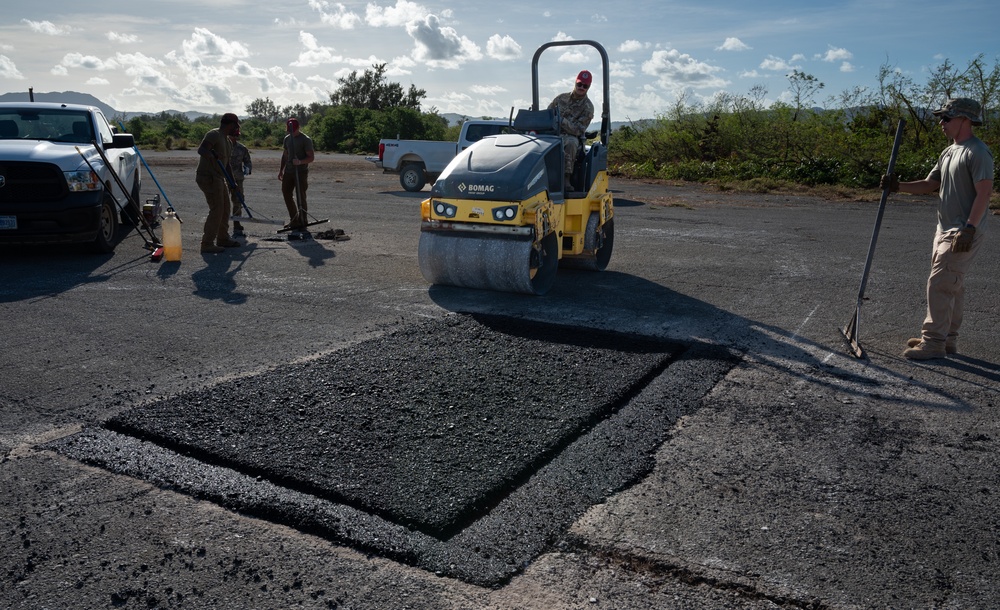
x,y
419,162
48,192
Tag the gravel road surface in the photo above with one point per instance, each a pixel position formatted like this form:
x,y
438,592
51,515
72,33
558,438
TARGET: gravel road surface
x,y
308,424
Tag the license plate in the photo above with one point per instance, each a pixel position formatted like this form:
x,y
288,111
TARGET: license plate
x,y
8,223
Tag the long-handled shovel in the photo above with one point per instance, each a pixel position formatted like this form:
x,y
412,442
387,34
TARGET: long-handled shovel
x,y
239,194
850,331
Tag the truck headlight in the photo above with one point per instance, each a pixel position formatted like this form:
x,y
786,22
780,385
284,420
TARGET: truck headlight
x,y
82,180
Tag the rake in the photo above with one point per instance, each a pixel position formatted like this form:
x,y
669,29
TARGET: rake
x,y
851,330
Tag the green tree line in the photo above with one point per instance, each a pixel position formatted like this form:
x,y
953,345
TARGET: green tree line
x,y
731,138
740,138
364,109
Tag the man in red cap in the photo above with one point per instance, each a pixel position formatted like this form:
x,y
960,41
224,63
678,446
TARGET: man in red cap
x,y
216,148
575,112
294,173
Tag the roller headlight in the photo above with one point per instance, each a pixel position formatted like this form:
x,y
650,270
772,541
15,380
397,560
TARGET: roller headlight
x,y
444,209
505,213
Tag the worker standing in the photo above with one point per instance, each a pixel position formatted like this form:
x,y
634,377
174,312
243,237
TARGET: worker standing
x,y
963,177
240,166
298,153
215,149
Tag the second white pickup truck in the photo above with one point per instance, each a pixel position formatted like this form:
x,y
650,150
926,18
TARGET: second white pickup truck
x,y
419,162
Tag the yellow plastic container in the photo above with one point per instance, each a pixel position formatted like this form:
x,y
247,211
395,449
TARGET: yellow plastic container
x,y
171,237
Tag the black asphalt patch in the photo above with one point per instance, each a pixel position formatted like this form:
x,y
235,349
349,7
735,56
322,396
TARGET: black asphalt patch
x,y
419,445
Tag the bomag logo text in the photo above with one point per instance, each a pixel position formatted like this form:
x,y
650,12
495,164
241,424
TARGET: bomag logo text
x,y
481,188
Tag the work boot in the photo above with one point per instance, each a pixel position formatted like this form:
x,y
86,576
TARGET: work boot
x,y
237,228
924,351
950,344
211,249
229,243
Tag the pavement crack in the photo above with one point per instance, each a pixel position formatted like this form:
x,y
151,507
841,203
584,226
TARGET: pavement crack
x,y
657,568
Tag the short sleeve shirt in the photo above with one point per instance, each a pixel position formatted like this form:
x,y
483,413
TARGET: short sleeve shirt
x,y
958,169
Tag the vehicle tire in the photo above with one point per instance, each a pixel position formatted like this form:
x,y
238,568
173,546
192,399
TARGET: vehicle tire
x,y
107,235
412,177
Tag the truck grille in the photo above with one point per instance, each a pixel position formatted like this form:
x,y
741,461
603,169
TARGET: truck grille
x,y
25,182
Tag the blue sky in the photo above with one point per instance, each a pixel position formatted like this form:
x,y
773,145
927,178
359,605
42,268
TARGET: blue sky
x,y
473,57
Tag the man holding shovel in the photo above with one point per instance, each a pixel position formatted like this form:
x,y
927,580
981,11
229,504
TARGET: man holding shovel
x,y
215,148
963,177
298,153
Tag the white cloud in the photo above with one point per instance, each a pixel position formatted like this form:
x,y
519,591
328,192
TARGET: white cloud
x,y
399,15
631,46
205,47
846,67
622,69
440,46
675,69
8,69
97,80
117,38
313,53
336,15
598,18
503,47
47,27
776,64
88,62
733,44
835,54
487,90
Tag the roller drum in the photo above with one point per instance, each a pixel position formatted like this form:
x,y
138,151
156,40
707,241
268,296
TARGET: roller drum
x,y
487,262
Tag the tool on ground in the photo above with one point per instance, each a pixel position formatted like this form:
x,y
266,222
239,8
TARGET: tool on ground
x,y
851,330
239,195
298,198
153,176
501,216
150,244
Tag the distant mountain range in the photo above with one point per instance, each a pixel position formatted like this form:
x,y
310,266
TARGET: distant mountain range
x,y
74,97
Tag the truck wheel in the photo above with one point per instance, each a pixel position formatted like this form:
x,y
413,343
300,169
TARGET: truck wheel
x,y
106,236
412,177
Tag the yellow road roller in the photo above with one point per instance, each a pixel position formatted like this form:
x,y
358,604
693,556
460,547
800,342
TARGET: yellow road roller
x,y
502,217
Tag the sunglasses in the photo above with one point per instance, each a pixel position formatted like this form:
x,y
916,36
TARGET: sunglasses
x,y
582,86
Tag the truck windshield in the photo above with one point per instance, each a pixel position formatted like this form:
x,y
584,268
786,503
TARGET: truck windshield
x,y
54,125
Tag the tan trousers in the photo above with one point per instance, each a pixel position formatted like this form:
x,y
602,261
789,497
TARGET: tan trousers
x,y
217,198
946,289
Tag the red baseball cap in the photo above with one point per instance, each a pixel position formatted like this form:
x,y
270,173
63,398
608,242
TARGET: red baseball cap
x,y
584,77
